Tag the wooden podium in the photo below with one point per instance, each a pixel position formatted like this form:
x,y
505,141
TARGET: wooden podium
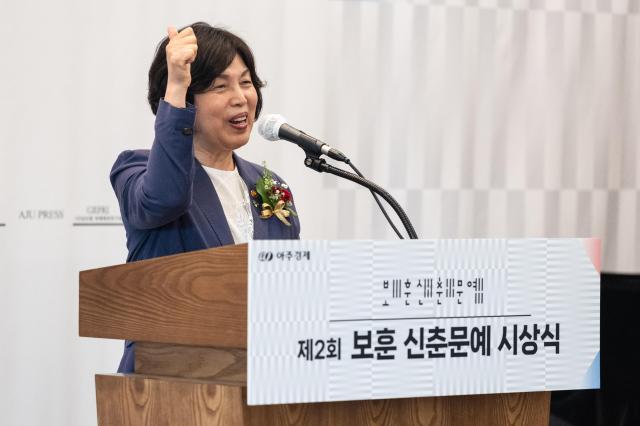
x,y
188,315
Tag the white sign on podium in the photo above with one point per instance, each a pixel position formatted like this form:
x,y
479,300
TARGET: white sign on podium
x,y
348,320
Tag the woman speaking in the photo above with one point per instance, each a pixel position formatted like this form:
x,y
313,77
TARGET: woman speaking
x,y
190,191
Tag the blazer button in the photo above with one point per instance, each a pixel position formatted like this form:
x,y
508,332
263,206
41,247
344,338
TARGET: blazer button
x,y
187,131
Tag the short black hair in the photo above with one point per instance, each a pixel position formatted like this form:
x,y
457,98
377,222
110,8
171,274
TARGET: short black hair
x,y
216,50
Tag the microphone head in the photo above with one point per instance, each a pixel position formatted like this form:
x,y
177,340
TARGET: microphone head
x,y
269,126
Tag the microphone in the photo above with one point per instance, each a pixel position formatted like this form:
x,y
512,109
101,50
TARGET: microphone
x,y
274,127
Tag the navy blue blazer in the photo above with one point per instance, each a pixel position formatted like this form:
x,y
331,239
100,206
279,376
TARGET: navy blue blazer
x,y
168,203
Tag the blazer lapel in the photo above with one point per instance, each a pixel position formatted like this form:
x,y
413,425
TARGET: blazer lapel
x,y
250,176
205,196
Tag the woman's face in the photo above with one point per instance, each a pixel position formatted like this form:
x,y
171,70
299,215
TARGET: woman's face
x,y
226,111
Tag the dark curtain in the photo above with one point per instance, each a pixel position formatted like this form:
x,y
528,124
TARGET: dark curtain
x,y
617,402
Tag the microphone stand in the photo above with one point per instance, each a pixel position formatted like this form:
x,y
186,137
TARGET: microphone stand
x,y
318,164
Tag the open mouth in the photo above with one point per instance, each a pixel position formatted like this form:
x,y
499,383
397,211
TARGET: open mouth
x,y
240,121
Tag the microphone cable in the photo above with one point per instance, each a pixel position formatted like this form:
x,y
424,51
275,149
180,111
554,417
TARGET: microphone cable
x,y
384,211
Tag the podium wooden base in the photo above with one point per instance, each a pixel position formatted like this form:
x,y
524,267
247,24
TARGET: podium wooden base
x,y
146,400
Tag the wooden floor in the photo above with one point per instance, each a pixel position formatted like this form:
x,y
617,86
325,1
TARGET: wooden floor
x,y
145,400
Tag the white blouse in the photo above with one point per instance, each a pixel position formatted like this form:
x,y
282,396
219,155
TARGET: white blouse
x,y
234,197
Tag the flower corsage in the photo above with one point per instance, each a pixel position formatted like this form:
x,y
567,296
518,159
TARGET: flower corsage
x,y
273,197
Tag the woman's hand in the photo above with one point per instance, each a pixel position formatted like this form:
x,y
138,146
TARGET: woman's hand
x,y
181,52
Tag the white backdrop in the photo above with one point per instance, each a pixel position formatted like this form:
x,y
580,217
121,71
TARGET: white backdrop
x,y
484,118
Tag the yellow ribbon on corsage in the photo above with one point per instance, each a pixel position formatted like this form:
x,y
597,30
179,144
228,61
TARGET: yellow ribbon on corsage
x,y
279,211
